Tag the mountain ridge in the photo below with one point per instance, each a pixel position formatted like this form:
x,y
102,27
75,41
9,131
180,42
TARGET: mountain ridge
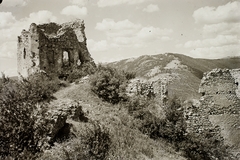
x,y
183,72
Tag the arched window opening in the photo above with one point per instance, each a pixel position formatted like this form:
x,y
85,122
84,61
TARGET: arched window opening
x,y
65,58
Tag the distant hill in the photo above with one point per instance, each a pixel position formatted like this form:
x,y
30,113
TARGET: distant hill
x,y
184,73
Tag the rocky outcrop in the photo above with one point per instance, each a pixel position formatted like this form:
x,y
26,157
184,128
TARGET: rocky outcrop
x,y
54,122
219,107
52,47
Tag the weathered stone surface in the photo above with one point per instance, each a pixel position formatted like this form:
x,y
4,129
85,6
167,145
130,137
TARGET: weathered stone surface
x,y
158,88
218,108
51,47
55,121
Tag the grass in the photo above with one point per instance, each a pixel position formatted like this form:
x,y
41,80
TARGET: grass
x,y
127,142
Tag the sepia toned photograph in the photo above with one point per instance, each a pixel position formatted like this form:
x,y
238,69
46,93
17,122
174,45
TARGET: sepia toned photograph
x,y
120,80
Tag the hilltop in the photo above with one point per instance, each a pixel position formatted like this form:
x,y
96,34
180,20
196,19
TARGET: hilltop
x,y
184,73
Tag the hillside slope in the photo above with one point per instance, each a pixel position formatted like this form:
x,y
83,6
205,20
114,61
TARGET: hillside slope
x,y
183,73
128,142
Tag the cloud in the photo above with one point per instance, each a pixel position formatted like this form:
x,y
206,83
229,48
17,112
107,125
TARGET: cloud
x,y
151,33
107,3
14,3
97,45
179,45
8,49
128,34
110,24
78,2
10,29
216,52
220,40
225,13
219,47
165,38
222,29
7,19
120,28
75,11
151,8
41,17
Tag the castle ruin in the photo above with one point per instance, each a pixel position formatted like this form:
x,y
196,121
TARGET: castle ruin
x,y
219,107
51,47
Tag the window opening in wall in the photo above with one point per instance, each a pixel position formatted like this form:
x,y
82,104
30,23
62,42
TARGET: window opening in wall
x,y
65,58
51,58
78,62
24,53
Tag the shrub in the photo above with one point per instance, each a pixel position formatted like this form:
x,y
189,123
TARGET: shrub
x,y
19,132
109,84
93,144
129,75
98,141
72,74
207,145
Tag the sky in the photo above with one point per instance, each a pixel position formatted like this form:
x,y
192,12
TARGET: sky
x,y
120,29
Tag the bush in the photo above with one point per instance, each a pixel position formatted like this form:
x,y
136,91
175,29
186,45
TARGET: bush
x,y
19,132
92,145
72,74
98,141
109,84
207,145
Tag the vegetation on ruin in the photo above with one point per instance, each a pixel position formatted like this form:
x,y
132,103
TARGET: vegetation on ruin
x,y
119,127
110,84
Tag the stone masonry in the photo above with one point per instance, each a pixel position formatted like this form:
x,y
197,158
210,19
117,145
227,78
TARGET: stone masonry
x,y
51,47
219,107
158,88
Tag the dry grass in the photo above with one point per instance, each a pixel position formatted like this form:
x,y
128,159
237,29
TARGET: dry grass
x,y
127,142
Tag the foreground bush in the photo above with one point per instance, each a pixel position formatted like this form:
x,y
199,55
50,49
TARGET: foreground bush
x,y
94,144
110,84
20,105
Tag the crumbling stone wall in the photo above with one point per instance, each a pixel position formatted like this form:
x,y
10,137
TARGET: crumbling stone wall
x,y
52,47
219,107
158,88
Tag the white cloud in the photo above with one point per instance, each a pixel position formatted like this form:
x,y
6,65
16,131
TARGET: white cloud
x,y
179,45
78,2
14,3
41,17
8,49
75,11
151,8
110,24
128,34
220,40
106,3
216,52
226,13
97,45
165,38
222,29
11,28
151,33
7,19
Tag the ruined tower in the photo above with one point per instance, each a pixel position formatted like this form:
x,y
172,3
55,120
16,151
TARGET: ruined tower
x,y
51,47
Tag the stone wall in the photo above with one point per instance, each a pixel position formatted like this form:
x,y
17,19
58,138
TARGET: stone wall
x,y
158,88
52,47
218,109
